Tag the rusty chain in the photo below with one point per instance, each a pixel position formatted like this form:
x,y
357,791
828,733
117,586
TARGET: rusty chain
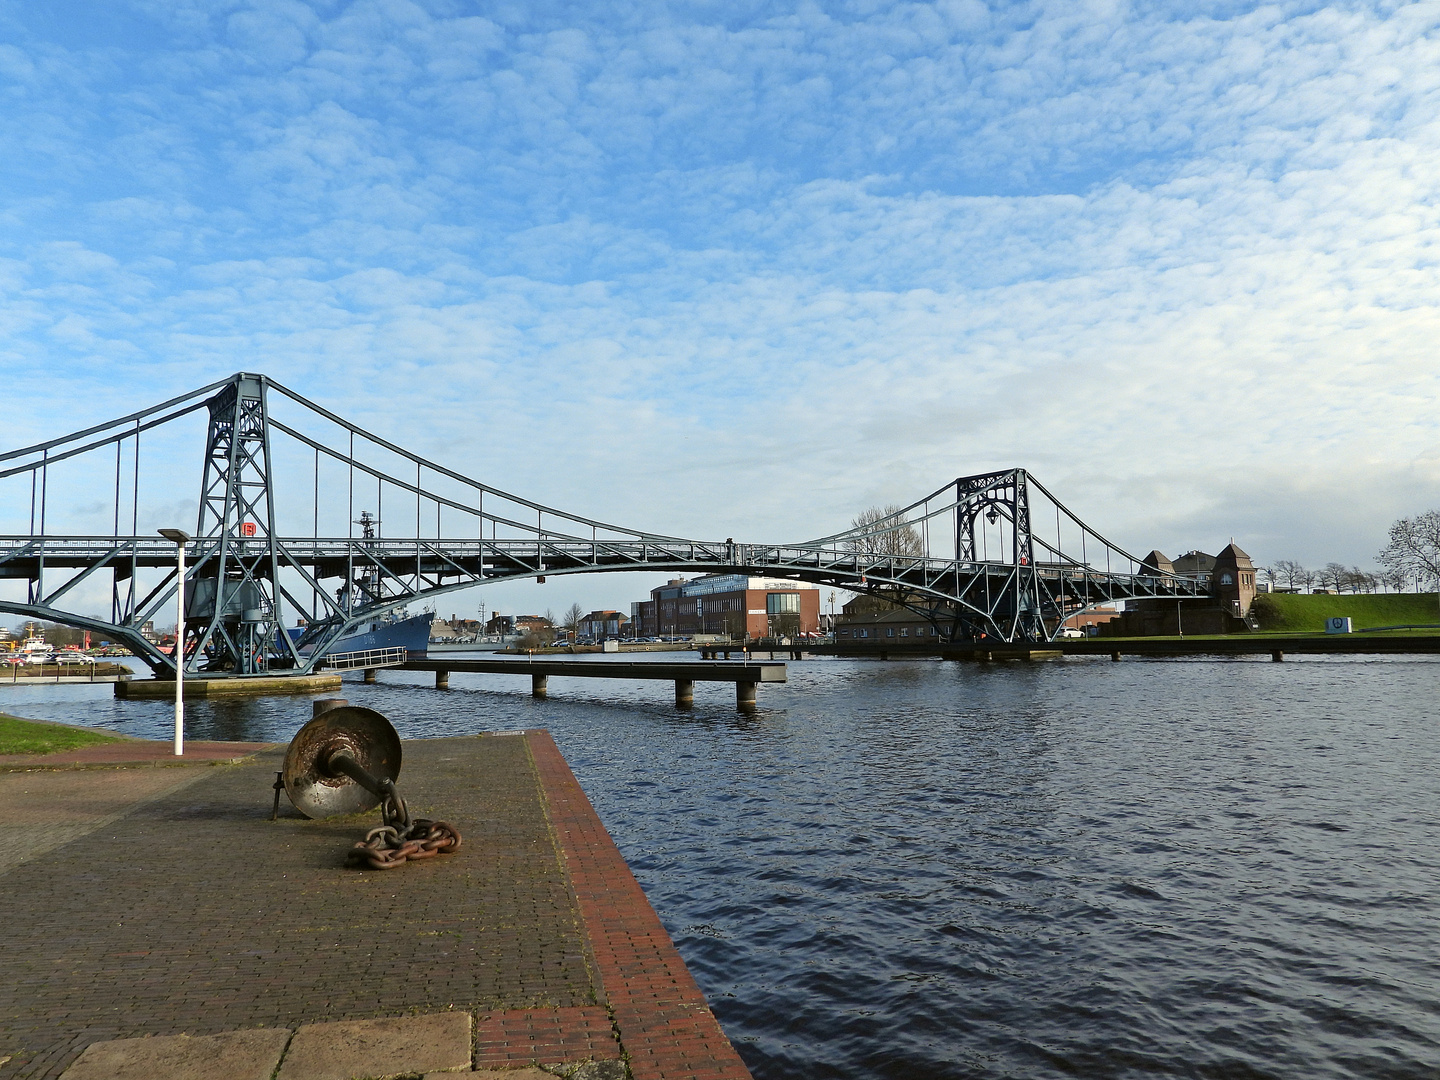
x,y
387,847
399,840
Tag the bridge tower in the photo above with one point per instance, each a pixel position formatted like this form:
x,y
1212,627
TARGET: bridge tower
x,y
1004,499
233,602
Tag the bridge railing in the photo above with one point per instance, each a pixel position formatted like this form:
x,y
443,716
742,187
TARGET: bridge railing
x,y
366,658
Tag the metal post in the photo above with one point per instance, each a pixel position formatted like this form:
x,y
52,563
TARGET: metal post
x,y
180,649
179,538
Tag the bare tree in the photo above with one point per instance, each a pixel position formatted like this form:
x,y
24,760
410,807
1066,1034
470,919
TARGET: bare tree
x,y
574,616
1363,580
1394,579
1334,575
1414,548
884,532
1291,572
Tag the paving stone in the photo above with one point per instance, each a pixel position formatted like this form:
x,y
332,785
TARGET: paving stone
x,y
553,1038
47,809
232,1055
366,1049
198,914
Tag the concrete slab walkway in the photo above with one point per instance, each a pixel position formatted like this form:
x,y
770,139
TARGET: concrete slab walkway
x,y
195,917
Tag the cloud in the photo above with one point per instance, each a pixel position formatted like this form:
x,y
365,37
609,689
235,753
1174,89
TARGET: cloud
x,y
746,272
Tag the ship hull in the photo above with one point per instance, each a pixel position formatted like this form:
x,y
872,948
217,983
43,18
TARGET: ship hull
x,y
411,633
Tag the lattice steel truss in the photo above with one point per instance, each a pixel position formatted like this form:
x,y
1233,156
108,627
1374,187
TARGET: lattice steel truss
x,y
975,557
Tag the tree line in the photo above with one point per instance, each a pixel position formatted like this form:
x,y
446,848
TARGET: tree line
x,y
1410,559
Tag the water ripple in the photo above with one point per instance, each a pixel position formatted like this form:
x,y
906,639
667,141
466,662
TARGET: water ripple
x,y
904,870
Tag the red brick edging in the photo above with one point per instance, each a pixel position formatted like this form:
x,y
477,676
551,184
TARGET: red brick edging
x,y
516,1037
664,1023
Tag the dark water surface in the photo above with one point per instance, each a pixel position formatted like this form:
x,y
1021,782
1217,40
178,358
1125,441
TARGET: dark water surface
x,y
1073,868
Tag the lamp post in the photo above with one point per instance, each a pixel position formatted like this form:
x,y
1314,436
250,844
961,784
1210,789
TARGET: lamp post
x,y
179,538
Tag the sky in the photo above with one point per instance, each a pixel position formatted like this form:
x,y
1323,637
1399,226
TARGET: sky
x,y
741,269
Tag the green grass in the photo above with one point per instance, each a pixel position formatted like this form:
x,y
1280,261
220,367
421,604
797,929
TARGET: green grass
x,y
1300,613
27,737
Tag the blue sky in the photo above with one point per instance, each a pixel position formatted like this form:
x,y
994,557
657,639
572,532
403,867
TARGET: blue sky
x,y
747,269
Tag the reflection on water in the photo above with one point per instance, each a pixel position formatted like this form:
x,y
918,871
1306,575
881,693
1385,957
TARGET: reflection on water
x,y
920,869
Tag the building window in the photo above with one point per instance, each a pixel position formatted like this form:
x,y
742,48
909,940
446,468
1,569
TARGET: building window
x,y
1226,579
782,603
889,632
904,632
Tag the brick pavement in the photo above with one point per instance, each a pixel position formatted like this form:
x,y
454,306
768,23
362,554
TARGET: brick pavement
x,y
665,1025
197,915
43,809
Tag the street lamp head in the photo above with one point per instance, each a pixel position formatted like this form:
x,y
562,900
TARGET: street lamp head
x,y
175,536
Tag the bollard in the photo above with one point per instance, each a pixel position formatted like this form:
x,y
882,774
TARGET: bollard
x,y
369,674
442,680
1277,656
539,685
745,695
1115,656
325,704
684,693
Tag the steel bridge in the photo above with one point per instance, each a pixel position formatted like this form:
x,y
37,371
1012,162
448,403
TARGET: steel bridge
x,y
977,556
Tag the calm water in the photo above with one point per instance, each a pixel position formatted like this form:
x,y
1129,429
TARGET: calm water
x,y
1075,868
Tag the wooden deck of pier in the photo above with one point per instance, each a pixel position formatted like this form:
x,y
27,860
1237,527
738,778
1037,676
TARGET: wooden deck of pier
x,y
746,675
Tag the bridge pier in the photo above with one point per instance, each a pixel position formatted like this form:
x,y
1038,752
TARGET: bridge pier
x,y
442,680
745,696
369,674
684,693
539,685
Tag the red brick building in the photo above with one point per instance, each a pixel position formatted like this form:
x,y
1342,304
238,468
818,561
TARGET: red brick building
x,y
732,604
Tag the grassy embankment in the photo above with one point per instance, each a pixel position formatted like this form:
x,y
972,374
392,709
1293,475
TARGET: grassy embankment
x,y
27,737
1305,613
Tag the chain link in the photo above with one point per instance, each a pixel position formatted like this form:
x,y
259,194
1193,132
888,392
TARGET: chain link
x,y
388,846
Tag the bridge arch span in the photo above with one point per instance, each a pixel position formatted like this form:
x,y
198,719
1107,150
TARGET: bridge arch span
x,y
994,553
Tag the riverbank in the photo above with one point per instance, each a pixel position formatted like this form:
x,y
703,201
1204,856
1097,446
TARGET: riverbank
x,y
531,945
38,737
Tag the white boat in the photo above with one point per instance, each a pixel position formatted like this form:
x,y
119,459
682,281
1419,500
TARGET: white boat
x,y
36,649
